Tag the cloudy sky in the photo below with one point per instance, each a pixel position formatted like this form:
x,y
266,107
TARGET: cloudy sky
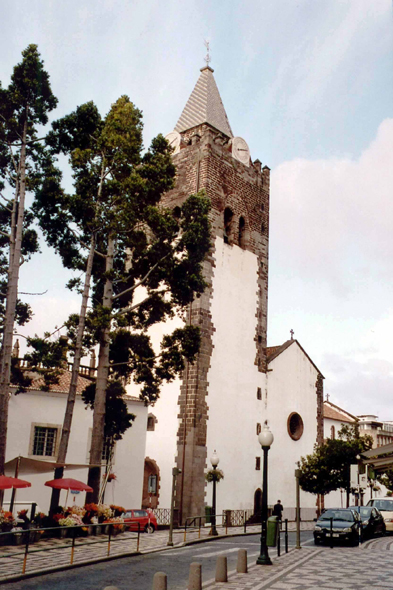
x,y
309,85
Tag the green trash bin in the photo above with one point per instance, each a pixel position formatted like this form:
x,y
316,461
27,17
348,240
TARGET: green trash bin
x,y
272,531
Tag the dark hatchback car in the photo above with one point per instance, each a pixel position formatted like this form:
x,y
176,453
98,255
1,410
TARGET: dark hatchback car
x,y
372,521
345,526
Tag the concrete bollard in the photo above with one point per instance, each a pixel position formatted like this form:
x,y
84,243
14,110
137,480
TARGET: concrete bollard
x,y
160,581
195,577
242,561
221,569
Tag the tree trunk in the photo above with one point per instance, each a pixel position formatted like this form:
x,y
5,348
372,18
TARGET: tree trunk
x,y
12,295
65,433
97,438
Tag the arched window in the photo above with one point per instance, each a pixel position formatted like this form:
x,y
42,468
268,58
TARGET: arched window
x,y
258,428
332,432
242,232
228,216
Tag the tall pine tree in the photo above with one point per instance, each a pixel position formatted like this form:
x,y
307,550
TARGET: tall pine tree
x,y
24,106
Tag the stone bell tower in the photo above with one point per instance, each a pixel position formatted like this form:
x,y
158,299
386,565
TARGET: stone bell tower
x,y
223,394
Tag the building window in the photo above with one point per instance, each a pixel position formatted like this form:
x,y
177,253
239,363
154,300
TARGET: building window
x,y
259,393
332,432
228,216
257,463
45,440
258,428
242,232
263,228
295,426
151,422
152,484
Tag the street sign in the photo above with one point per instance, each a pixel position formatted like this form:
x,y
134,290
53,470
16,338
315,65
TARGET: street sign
x,y
363,481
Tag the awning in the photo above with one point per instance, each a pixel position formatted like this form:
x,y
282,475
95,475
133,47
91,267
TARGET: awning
x,y
31,466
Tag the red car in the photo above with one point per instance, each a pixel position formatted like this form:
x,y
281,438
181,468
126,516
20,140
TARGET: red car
x,y
146,519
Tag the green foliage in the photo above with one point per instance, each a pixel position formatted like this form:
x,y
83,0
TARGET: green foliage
x,y
214,474
26,101
117,417
328,468
117,193
47,359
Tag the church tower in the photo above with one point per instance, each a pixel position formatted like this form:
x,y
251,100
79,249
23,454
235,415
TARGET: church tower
x,y
222,397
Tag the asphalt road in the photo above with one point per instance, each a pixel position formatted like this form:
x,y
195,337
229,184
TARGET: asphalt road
x,y
136,573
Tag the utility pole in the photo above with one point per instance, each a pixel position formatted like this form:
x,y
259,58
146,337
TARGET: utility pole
x,y
175,473
297,476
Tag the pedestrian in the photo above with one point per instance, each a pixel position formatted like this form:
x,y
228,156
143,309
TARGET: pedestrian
x,y
277,510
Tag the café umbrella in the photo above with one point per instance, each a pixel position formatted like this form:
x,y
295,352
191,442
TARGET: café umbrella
x,y
8,483
67,483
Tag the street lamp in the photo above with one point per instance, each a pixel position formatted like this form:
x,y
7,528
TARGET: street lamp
x,y
214,461
265,440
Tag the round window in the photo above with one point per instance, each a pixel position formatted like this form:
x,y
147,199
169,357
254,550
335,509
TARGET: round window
x,y
295,426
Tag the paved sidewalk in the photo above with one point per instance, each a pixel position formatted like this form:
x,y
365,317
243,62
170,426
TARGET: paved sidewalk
x,y
54,554
342,568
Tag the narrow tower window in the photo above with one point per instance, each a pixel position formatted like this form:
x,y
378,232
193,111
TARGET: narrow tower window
x,y
228,216
259,393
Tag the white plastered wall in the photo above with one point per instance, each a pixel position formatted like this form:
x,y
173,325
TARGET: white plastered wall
x,y
233,407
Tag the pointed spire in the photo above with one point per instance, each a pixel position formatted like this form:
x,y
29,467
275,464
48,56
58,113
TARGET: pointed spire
x,y
205,106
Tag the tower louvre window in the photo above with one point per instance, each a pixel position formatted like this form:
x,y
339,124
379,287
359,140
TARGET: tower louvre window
x,y
259,393
257,463
258,428
242,232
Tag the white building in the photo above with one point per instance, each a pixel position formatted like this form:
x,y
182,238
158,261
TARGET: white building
x,y
34,427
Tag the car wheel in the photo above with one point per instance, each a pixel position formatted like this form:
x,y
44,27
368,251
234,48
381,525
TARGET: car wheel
x,y
355,542
149,528
317,542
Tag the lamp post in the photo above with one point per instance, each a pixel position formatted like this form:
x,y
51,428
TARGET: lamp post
x,y
265,440
214,461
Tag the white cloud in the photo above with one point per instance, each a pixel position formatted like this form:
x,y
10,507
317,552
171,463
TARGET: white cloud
x,y
331,219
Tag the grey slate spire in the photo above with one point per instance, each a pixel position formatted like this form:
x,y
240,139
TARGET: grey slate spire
x,y
205,106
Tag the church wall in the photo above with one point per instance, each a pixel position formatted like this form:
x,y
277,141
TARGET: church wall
x,y
47,409
291,388
233,379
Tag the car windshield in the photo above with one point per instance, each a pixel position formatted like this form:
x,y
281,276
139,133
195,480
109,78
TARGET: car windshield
x,y
344,515
384,505
365,511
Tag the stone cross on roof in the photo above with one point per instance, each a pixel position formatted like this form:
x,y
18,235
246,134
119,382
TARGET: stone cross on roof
x,y
205,106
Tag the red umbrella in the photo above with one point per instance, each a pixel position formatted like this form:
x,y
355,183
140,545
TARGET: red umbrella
x,y
65,483
6,483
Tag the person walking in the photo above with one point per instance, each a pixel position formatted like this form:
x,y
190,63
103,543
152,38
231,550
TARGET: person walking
x,y
277,510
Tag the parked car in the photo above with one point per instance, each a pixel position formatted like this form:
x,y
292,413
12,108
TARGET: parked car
x,y
385,506
145,518
372,522
346,526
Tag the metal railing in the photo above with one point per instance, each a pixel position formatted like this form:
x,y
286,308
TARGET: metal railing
x,y
26,537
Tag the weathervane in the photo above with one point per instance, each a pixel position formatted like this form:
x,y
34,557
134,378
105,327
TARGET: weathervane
x,y
207,58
